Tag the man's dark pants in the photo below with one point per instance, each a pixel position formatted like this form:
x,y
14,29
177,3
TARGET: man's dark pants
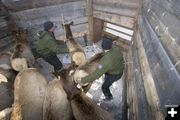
x,y
109,80
54,61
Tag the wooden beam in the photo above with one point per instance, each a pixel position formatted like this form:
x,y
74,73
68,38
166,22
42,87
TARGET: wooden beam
x,y
90,20
131,89
75,35
118,3
149,84
97,29
117,10
124,91
116,19
29,4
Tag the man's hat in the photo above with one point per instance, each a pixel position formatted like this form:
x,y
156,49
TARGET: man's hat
x,y
106,43
48,25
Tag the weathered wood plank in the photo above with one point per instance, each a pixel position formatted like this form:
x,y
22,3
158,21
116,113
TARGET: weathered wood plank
x,y
131,89
143,105
170,23
116,19
171,6
168,42
4,32
164,73
90,20
5,41
36,16
118,3
17,5
150,92
97,29
3,22
124,115
116,10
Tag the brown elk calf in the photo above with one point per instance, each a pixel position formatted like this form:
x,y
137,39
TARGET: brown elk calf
x,y
56,106
22,56
82,106
36,99
85,69
29,90
77,54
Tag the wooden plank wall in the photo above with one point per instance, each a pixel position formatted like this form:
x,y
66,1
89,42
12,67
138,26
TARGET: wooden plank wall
x,y
165,21
33,19
6,40
120,12
19,5
153,61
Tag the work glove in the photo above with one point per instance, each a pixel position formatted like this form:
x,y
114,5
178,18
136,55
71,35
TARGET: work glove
x,y
80,84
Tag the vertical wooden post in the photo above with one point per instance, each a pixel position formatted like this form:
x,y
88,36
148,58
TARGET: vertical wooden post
x,y
90,20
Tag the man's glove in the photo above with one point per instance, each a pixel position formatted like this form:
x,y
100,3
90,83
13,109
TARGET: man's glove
x,y
80,84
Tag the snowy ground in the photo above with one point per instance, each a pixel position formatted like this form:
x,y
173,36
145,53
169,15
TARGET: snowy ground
x,y
114,106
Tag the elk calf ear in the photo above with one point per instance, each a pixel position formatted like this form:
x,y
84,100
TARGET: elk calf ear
x,y
62,26
14,33
71,23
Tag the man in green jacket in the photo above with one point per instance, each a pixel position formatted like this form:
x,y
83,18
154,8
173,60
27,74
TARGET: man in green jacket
x,y
47,46
111,64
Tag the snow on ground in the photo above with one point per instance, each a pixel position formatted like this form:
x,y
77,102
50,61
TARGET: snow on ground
x,y
114,106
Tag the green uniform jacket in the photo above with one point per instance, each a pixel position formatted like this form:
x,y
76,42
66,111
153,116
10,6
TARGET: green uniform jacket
x,y
47,44
112,63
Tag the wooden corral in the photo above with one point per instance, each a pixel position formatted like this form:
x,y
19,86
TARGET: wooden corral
x,y
152,56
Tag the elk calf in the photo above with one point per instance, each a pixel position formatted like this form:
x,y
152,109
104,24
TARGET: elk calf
x,y
82,106
22,56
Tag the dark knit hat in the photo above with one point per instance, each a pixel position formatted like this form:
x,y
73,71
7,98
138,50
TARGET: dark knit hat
x,y
106,43
48,25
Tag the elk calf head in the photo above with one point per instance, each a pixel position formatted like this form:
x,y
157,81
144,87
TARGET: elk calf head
x,y
67,29
20,35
